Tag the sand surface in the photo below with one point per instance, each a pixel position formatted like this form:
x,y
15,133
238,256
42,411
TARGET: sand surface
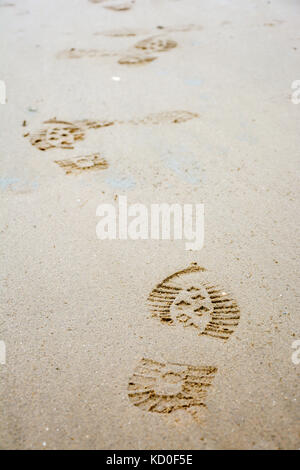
x,y
74,314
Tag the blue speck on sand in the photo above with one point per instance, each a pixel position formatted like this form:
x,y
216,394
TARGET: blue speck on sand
x,y
180,166
193,82
120,182
6,182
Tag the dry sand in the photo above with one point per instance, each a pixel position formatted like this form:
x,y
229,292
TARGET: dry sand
x,y
74,312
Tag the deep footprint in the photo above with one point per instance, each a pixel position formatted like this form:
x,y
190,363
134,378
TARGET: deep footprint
x,y
161,387
187,298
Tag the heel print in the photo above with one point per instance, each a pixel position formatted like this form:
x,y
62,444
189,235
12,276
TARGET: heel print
x,y
161,387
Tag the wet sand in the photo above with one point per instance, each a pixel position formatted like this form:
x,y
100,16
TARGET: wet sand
x,y
162,101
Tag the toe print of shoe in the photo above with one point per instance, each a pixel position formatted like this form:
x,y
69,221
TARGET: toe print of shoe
x,y
62,134
164,387
156,44
56,134
190,299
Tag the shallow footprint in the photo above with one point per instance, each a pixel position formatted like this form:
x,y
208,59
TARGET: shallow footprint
x,y
171,117
115,5
189,299
136,60
74,53
147,47
156,44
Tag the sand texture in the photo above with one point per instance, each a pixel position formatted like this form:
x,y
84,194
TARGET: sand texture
x,y
141,344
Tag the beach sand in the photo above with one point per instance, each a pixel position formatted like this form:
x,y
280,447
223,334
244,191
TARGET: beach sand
x,y
78,331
